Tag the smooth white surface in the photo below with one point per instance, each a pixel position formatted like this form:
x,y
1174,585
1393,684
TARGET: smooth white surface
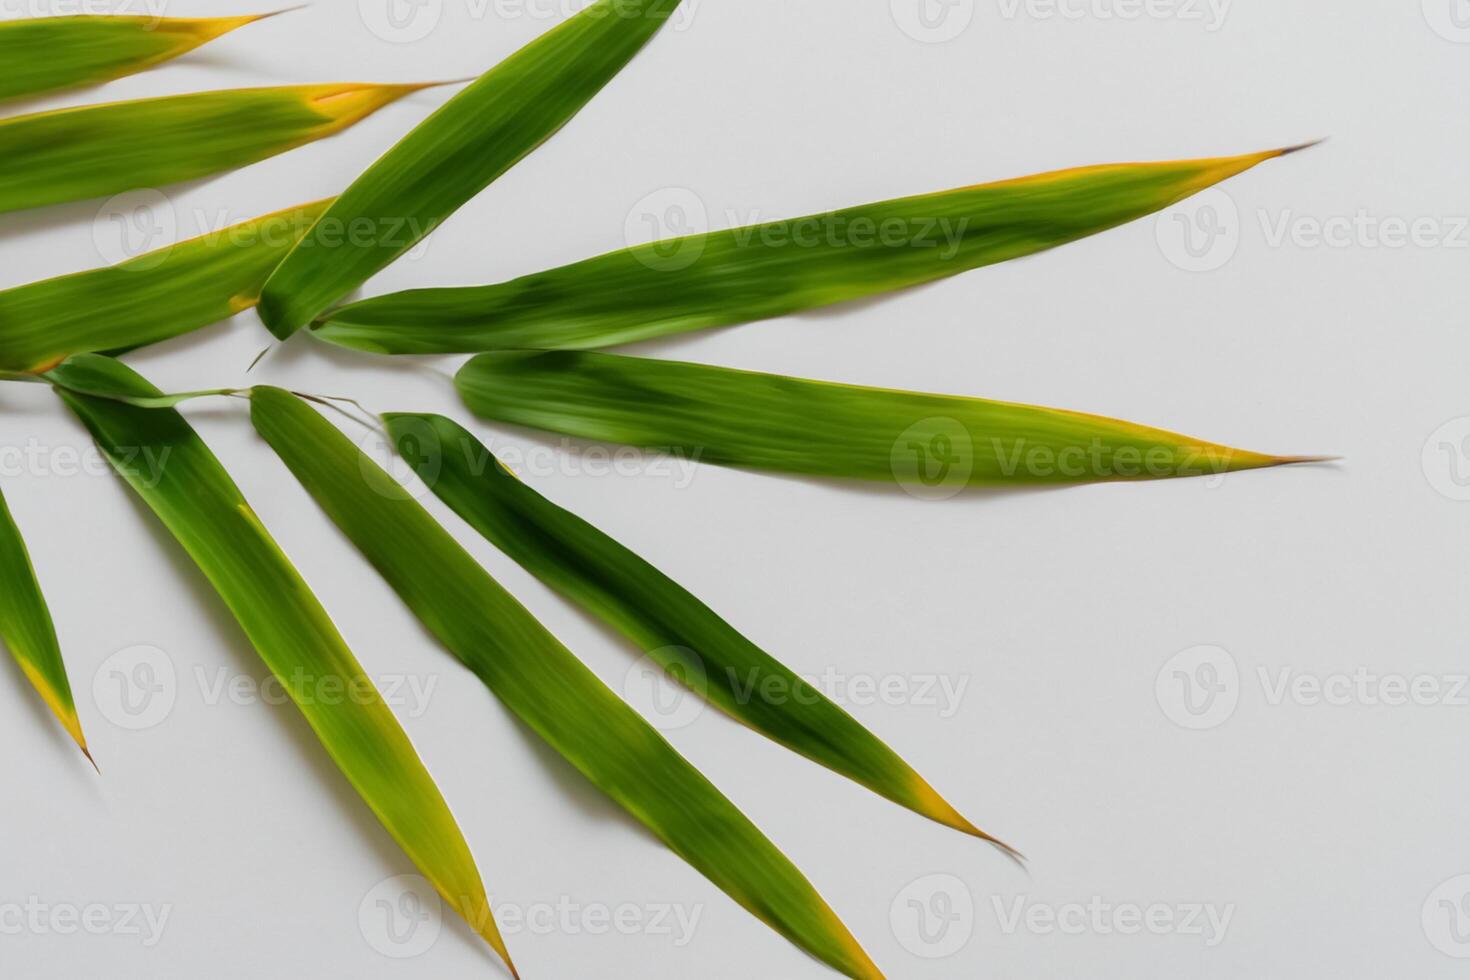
x,y
1333,836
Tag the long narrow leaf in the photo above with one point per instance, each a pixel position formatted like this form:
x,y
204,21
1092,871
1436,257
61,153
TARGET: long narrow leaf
x,y
201,506
153,297
930,444
461,149
45,54
50,157
545,685
27,629
776,268
679,632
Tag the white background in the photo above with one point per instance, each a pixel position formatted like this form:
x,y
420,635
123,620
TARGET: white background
x,y
1326,832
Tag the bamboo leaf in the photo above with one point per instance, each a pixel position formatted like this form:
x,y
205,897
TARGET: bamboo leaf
x,y
27,629
679,632
459,150
776,268
45,54
150,298
932,445
50,157
204,510
545,685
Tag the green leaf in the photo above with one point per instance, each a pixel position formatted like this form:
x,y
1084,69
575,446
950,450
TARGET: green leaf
x,y
773,269
153,297
461,149
679,632
45,54
545,685
204,510
50,157
932,445
26,628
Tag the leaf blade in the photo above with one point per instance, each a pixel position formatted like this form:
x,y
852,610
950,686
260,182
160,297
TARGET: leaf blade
x,y
929,444
545,684
147,299
196,500
461,149
48,54
676,629
774,269
51,157
28,631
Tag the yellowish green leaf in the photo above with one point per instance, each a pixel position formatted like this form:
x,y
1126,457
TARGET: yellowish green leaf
x,y
932,445
459,150
545,684
155,296
204,510
98,150
773,269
